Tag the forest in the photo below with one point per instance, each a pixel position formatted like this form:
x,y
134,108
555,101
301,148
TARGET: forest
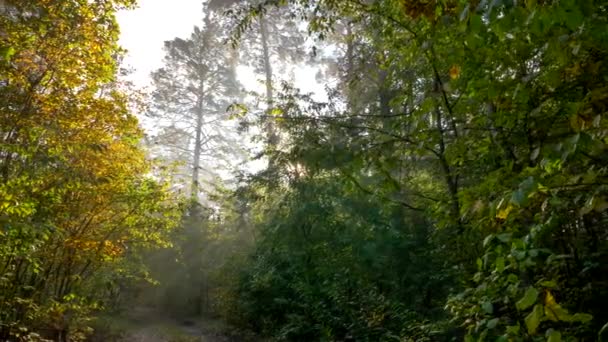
x,y
446,178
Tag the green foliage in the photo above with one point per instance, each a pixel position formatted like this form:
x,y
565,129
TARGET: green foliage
x,y
324,268
461,154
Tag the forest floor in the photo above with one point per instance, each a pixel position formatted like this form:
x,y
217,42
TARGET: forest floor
x,y
144,325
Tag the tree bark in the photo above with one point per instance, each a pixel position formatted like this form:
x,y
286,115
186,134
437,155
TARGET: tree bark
x,y
270,129
197,148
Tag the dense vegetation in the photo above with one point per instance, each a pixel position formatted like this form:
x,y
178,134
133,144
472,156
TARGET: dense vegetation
x,y
451,185
78,203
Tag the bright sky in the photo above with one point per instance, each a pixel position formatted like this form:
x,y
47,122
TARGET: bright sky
x,y
144,30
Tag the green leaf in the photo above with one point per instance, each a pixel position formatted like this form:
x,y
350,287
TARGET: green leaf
x,y
549,284
475,23
276,112
465,12
504,237
553,336
493,323
518,197
6,52
534,154
534,318
581,317
529,298
487,307
487,240
589,205
500,264
513,329
528,185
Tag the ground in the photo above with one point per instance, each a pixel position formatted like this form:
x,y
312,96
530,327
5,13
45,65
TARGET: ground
x,y
144,325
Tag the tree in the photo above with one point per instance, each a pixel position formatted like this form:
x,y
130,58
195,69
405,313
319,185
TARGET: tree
x,y
271,44
192,93
75,199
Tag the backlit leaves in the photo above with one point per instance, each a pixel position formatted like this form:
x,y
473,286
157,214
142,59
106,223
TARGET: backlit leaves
x,y
73,186
528,299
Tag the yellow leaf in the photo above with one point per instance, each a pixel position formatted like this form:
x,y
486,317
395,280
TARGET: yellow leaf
x,y
553,310
454,72
504,213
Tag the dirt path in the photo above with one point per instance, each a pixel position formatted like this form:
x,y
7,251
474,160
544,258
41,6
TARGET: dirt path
x,y
144,325
172,331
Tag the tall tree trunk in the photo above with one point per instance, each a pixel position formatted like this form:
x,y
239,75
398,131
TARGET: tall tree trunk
x,y
270,129
197,149
350,67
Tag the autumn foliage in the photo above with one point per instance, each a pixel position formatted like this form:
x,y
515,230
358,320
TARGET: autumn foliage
x,y
76,193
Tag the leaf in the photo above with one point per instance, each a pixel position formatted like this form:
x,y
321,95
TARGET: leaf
x,y
475,23
528,299
6,52
529,184
518,197
500,264
589,205
513,329
571,142
493,323
504,237
554,311
549,284
600,205
487,240
604,329
487,307
504,213
465,12
455,72
276,112
581,317
534,318
553,336
534,154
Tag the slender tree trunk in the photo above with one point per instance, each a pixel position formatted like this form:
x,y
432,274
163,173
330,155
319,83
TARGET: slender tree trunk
x,y
267,66
197,149
270,129
350,67
350,51
384,97
450,179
